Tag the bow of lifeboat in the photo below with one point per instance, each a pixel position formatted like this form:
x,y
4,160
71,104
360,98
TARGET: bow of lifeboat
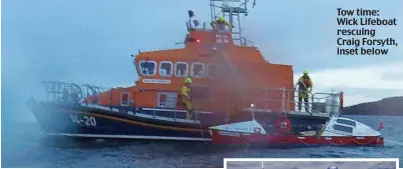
x,y
338,131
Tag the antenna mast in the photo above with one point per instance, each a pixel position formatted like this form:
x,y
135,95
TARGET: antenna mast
x,y
232,11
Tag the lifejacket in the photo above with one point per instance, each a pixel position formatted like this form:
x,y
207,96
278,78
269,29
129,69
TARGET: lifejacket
x,y
305,83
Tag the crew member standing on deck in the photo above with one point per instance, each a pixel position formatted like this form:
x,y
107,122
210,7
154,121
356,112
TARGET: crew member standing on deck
x,y
185,97
305,87
220,24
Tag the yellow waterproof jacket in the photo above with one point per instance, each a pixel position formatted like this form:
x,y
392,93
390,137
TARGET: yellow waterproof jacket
x,y
305,83
220,22
185,93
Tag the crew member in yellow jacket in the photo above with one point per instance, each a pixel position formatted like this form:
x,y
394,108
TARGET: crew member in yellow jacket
x,y
220,24
305,87
185,97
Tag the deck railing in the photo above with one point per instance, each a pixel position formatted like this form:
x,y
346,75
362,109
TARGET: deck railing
x,y
329,103
65,92
320,102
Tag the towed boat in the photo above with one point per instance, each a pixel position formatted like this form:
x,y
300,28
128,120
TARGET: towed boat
x,y
338,131
229,74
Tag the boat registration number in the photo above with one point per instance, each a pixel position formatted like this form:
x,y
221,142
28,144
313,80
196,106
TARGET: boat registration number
x,y
83,120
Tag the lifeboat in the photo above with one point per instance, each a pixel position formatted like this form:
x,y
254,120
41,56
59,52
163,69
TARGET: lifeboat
x,y
230,78
338,131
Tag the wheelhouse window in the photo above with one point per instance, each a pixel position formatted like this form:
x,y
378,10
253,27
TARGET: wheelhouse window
x,y
181,69
346,122
212,70
148,68
197,70
343,128
166,68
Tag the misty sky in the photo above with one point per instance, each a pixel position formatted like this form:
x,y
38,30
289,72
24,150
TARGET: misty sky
x,y
91,41
311,164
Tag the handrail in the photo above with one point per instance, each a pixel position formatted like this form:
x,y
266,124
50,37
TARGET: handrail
x,y
316,103
154,89
65,93
319,102
57,91
286,99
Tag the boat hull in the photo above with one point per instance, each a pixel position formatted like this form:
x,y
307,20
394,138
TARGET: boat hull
x,y
221,137
133,123
82,121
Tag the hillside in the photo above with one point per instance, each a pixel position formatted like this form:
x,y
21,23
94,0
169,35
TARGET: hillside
x,y
392,106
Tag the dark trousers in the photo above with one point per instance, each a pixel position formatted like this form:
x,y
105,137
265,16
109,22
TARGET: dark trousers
x,y
303,95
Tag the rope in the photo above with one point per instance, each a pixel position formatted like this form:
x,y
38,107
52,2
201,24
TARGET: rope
x,y
369,142
302,141
332,142
351,138
355,141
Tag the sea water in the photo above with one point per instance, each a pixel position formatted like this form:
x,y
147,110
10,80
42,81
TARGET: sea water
x,y
23,145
